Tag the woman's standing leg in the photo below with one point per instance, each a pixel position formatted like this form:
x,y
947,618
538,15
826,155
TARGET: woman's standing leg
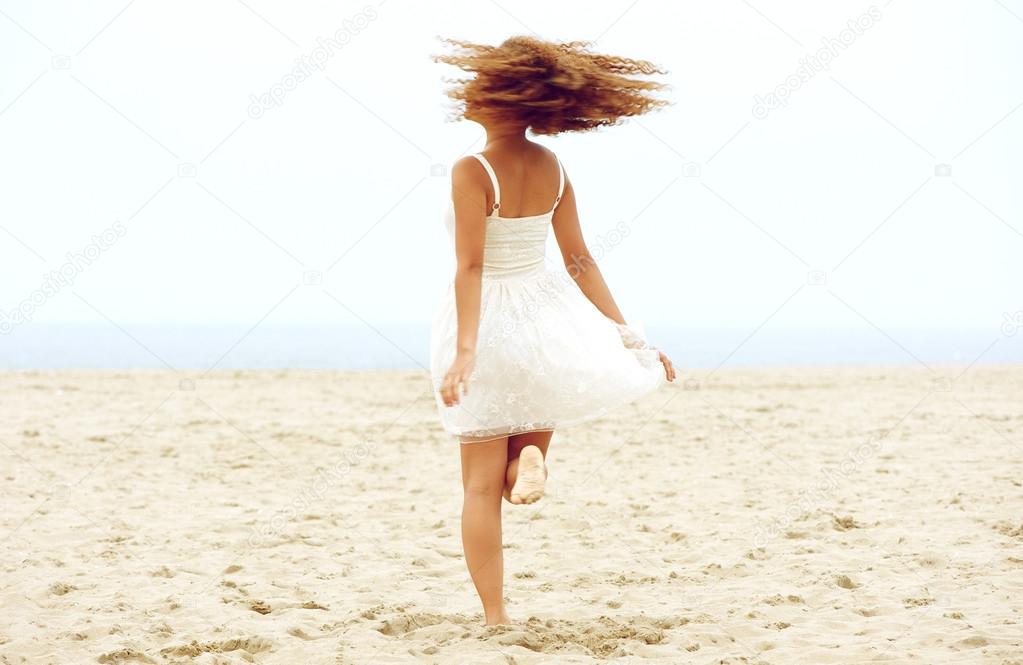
x,y
484,467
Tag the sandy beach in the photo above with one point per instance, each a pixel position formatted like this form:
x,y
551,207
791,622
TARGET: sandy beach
x,y
746,516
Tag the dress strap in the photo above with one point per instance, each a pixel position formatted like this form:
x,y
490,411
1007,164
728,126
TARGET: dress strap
x,y
493,179
561,182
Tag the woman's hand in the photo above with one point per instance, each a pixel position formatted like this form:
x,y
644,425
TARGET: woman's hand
x,y
456,381
669,369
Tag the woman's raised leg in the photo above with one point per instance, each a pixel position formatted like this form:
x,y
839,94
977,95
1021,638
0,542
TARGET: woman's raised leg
x,y
527,468
484,467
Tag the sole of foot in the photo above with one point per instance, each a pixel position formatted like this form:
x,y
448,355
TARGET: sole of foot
x,y
532,475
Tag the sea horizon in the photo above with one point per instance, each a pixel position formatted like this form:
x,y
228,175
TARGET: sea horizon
x,y
406,346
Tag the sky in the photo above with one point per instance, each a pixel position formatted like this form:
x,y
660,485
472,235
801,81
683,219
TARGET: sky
x,y
842,175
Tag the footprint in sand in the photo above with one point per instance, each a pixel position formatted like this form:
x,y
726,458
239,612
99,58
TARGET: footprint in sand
x,y
249,646
846,582
602,637
125,655
260,606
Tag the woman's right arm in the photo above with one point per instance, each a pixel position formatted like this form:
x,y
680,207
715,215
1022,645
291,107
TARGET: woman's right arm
x,y
468,193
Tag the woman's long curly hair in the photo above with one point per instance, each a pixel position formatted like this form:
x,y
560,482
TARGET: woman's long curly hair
x,y
547,86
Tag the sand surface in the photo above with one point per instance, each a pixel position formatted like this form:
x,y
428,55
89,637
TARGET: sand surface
x,y
753,516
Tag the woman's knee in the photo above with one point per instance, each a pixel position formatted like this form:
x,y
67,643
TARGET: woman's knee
x,y
485,487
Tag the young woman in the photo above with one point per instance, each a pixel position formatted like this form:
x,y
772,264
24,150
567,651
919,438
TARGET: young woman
x,y
518,349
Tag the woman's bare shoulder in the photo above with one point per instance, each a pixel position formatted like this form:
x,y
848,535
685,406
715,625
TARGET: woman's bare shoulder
x,y
466,170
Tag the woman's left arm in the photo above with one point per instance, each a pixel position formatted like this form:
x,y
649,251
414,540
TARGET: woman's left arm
x,y
578,261
583,268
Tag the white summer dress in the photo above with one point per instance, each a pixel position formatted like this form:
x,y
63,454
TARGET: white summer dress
x,y
546,357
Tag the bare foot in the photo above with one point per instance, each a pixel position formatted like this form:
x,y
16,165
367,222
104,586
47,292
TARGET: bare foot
x,y
531,476
497,621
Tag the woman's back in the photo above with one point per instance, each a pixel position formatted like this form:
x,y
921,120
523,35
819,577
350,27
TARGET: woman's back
x,y
529,180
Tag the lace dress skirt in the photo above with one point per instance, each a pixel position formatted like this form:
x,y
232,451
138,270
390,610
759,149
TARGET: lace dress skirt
x,y
546,358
